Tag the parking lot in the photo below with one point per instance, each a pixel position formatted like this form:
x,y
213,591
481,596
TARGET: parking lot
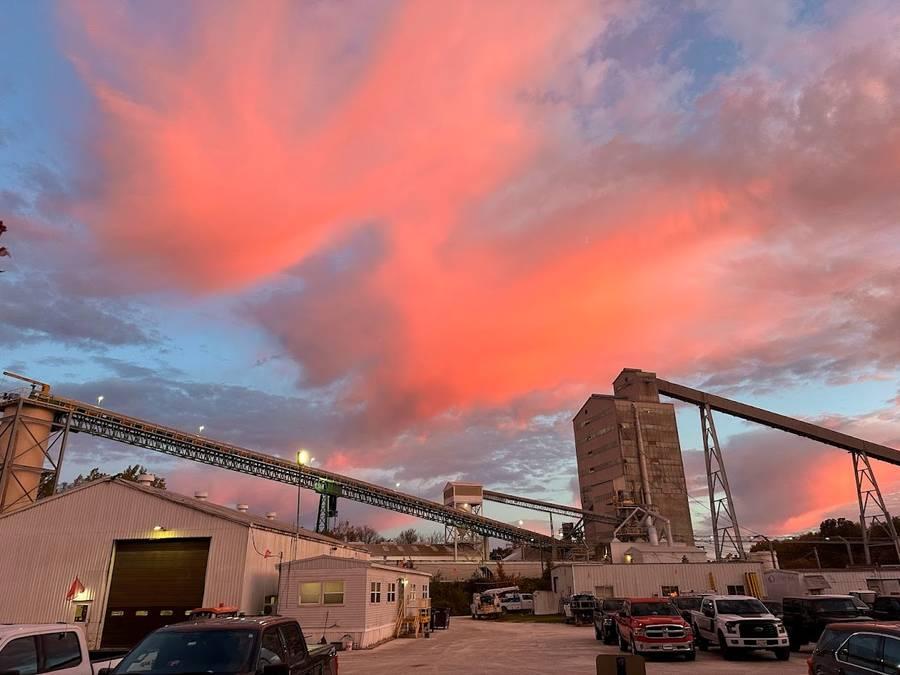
x,y
497,647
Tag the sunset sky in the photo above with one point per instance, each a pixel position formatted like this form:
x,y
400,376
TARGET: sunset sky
x,y
414,237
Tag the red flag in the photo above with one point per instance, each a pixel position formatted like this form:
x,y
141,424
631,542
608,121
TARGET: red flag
x,y
76,588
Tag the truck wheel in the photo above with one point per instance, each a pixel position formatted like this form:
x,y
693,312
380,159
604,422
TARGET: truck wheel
x,y
690,656
634,648
782,654
597,633
727,654
623,646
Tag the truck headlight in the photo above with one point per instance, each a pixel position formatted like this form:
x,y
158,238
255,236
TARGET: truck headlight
x,y
731,627
639,630
780,627
688,630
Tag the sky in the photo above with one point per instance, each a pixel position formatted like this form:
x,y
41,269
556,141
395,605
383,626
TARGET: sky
x,y
413,237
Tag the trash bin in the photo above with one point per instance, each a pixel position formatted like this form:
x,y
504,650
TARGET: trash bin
x,y
440,618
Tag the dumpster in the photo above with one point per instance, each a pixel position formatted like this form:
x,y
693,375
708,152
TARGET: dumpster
x,y
440,618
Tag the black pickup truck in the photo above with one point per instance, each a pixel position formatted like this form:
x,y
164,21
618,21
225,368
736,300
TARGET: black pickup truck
x,y
806,617
250,645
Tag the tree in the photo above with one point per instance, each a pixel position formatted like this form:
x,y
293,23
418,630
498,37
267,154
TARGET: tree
x,y
500,552
409,536
131,472
361,533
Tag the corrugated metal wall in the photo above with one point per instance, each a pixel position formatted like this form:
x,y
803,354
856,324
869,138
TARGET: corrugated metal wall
x,y
43,548
46,546
649,578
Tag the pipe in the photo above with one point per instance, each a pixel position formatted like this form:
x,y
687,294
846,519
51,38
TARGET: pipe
x,y
647,499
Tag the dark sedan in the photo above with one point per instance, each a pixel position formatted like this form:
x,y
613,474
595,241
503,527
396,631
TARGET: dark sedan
x,y
856,649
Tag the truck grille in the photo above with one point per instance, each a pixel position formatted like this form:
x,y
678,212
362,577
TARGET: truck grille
x,y
664,631
757,629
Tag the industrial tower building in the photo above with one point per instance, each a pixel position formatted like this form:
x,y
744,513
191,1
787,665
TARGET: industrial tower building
x,y
628,452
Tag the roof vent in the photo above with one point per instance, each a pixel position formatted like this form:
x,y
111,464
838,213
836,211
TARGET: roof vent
x,y
243,508
201,495
271,515
146,479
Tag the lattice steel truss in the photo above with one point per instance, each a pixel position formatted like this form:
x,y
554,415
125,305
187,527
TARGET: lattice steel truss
x,y
870,499
105,423
725,526
19,428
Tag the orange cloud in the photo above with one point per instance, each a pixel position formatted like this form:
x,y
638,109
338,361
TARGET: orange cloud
x,y
506,253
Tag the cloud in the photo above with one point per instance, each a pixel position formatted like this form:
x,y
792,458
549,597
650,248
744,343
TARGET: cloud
x,y
447,214
39,310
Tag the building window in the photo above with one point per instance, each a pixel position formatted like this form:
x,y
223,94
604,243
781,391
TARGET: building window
x,y
412,592
669,591
375,591
333,593
424,591
392,592
737,589
310,593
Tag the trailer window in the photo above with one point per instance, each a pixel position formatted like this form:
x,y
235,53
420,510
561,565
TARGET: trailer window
x,y
333,593
375,591
392,592
61,650
19,655
310,593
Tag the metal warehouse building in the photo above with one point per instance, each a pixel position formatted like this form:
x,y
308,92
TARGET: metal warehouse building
x,y
125,558
649,579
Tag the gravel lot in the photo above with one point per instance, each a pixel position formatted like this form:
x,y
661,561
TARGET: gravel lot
x,y
496,647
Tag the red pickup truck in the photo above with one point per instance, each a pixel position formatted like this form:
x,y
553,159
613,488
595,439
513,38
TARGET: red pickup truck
x,y
654,626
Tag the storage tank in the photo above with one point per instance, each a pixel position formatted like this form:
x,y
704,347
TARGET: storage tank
x,y
23,443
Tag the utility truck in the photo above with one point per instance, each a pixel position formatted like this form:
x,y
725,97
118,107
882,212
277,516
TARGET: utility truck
x,y
487,605
739,623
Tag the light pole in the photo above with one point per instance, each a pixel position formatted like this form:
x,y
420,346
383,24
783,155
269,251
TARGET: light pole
x,y
200,429
99,400
771,550
302,460
847,544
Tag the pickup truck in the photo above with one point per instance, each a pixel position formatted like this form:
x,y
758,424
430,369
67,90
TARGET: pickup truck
x,y
517,602
654,626
269,645
885,608
739,623
806,617
605,619
32,649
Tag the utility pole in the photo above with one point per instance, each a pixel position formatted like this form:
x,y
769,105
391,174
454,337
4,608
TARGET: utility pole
x,y
816,552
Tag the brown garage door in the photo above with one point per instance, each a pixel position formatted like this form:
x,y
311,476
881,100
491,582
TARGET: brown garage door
x,y
154,583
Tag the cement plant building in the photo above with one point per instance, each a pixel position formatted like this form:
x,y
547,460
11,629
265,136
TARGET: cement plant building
x,y
627,449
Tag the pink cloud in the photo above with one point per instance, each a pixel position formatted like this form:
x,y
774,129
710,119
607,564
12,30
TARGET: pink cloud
x,y
462,244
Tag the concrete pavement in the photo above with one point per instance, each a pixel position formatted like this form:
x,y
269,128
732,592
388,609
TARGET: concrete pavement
x,y
499,647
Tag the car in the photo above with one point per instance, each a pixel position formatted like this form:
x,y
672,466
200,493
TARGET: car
x,y
851,648
886,608
605,620
805,617
654,626
267,645
739,623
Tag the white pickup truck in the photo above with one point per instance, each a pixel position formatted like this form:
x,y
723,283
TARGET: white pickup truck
x,y
58,648
738,623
